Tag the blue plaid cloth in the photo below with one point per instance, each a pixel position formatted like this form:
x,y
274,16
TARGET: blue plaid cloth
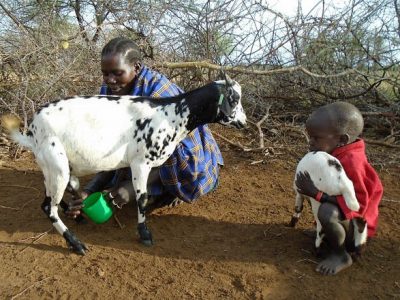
x,y
193,168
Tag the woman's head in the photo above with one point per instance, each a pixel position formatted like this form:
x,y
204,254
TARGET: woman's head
x,y
120,64
334,125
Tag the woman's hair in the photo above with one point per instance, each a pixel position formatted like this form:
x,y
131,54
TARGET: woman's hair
x,y
126,47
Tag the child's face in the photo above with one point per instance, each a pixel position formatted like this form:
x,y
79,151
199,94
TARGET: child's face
x,y
118,75
322,139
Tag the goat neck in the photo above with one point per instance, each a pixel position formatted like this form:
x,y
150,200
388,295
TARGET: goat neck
x,y
203,105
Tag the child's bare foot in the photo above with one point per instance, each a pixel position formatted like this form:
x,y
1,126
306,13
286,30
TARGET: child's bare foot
x,y
334,263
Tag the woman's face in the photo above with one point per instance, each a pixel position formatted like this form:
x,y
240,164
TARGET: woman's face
x,y
118,75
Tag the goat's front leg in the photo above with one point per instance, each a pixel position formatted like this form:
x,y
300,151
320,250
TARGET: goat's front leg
x,y
298,208
140,175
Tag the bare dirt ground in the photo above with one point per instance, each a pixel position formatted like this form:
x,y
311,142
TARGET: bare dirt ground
x,y
232,243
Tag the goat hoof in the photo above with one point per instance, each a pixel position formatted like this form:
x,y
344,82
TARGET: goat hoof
x,y
145,235
147,243
74,244
293,222
80,250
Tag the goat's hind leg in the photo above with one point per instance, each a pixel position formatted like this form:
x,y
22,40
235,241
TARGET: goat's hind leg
x,y
140,174
54,164
360,234
319,231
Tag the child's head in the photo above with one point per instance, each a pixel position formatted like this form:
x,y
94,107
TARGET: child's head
x,y
120,64
334,125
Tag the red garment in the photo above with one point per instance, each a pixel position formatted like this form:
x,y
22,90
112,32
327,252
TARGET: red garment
x,y
367,184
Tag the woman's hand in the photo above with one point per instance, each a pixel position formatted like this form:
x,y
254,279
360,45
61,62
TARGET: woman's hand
x,y
305,185
75,206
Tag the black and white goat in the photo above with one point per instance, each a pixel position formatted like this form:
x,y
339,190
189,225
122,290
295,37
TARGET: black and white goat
x,y
85,135
328,176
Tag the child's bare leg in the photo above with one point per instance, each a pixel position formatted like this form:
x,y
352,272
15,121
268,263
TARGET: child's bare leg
x,y
333,225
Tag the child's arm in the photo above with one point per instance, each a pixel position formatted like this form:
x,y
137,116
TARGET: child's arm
x,y
306,186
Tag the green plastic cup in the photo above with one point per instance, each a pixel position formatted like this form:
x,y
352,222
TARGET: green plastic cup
x,y
97,208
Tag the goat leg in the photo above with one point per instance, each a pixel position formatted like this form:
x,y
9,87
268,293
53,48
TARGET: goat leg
x,y
145,234
73,242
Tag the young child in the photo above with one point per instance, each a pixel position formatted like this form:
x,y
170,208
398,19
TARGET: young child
x,y
190,172
335,128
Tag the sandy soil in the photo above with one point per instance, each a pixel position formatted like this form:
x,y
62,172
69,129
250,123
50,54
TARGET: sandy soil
x,y
232,243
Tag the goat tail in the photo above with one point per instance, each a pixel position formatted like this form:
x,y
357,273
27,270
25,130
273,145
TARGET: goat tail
x,y
11,124
21,139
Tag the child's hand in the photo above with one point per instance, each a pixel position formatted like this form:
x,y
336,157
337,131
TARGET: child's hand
x,y
305,185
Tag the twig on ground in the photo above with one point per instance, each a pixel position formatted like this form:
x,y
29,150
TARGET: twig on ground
x,y
260,131
14,208
301,275
282,187
121,226
258,125
21,186
26,203
390,200
229,141
272,233
307,259
266,230
257,162
36,238
27,288
8,207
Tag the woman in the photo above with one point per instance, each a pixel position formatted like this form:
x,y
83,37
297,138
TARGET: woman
x,y
190,172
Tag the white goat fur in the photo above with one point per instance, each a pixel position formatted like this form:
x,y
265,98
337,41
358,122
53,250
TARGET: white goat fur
x,y
328,175
86,135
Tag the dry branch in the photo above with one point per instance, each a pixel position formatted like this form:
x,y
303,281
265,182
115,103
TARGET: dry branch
x,y
258,125
229,141
380,143
210,66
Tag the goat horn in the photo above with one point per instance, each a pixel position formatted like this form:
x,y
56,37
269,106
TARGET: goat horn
x,y
229,81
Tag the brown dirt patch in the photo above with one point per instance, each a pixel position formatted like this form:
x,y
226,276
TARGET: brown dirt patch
x,y
230,244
